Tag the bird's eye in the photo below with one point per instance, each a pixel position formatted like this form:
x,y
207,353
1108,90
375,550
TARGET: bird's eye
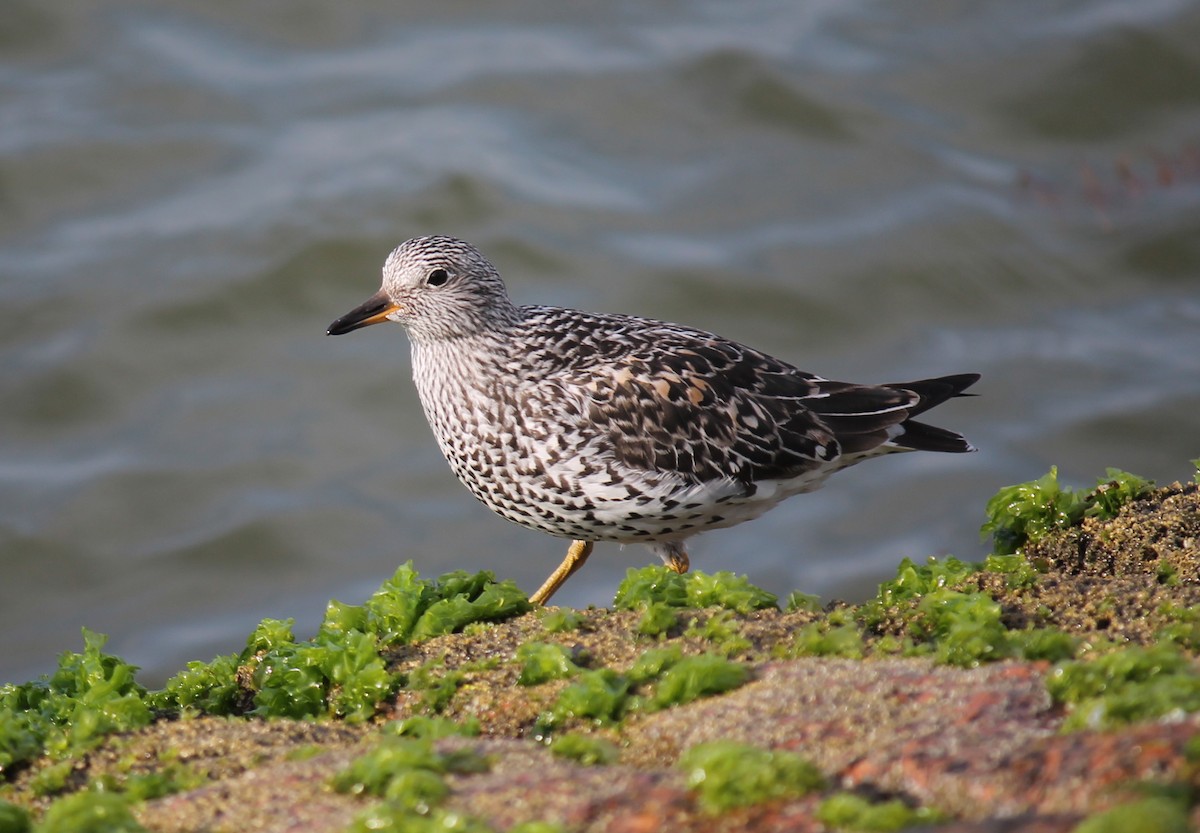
x,y
437,277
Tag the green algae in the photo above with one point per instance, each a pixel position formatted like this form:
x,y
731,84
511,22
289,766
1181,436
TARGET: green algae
x,y
651,584
90,695
561,620
691,678
14,819
965,628
726,774
202,688
603,696
433,727
409,774
600,696
806,602
341,672
1126,685
405,770
652,664
388,816
1017,570
938,610
1149,815
722,628
170,778
585,749
1028,511
1183,626
838,635
849,811
537,827
728,591
436,684
542,662
89,812
658,619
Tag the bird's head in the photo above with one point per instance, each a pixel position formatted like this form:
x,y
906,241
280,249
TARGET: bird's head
x,y
439,288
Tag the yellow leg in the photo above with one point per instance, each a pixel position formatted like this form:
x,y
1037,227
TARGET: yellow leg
x,y
576,556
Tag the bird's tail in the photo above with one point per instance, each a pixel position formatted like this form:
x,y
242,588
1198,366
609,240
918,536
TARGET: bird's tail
x,y
932,392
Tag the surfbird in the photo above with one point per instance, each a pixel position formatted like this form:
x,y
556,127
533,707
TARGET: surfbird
x,y
602,427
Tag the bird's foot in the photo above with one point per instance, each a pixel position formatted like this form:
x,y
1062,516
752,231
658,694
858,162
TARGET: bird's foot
x,y
674,556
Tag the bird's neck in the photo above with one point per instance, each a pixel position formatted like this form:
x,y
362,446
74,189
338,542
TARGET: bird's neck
x,y
460,372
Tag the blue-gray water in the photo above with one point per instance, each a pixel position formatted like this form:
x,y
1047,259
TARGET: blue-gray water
x,y
190,192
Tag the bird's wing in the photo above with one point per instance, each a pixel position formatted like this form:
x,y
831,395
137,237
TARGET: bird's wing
x,y
671,399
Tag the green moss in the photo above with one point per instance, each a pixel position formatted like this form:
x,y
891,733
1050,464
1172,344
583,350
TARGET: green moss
x,y
89,812
425,726
694,677
392,816
405,770
341,672
604,696
409,774
911,584
723,629
725,774
847,811
585,749
89,695
797,601
1045,644
937,610
1017,571
651,665
542,662
644,587
561,620
13,819
1167,573
1150,815
1113,491
1183,628
468,599
437,685
202,687
1027,511
599,696
658,618
729,591
336,674
1125,686
168,778
52,779
537,827
965,628
826,639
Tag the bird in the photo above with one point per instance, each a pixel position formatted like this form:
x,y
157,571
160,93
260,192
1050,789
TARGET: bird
x,y
597,427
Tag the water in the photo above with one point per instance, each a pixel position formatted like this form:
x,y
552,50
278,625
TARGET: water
x,y
190,192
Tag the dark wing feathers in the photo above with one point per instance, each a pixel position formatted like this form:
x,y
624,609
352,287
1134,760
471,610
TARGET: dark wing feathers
x,y
711,410
685,401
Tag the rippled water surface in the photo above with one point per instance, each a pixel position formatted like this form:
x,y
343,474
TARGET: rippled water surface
x,y
190,192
